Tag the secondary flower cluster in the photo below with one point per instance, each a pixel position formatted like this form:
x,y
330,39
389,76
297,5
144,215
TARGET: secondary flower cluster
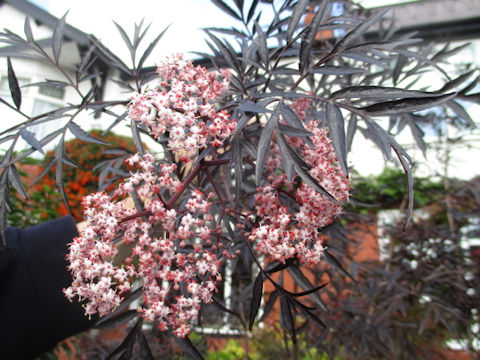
x,y
181,107
168,254
283,233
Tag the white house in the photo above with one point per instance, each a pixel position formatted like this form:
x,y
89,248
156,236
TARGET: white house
x,y
40,99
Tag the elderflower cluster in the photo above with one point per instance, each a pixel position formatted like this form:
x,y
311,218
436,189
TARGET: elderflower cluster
x,y
181,107
283,233
178,272
176,253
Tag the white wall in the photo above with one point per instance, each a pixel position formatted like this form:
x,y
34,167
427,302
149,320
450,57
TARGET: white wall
x,y
32,71
12,19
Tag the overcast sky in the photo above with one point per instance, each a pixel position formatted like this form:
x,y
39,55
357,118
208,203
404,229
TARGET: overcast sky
x,y
186,16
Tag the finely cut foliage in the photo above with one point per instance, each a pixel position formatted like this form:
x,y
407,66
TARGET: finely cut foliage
x,y
249,179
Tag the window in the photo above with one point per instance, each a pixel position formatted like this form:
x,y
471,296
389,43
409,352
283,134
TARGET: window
x,y
41,107
49,98
52,91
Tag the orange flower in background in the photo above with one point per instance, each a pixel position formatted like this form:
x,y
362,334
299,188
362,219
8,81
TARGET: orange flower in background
x,y
83,180
45,201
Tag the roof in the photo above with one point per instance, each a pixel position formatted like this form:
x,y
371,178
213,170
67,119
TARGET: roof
x,y
48,20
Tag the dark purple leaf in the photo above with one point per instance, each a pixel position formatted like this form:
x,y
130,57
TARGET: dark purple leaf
x,y
117,121
121,318
293,131
380,137
225,309
378,92
239,4
125,37
232,31
28,30
137,37
288,162
87,60
51,83
237,159
301,168
189,347
110,57
240,125
251,12
31,140
458,109
256,299
456,82
384,45
472,97
399,65
406,105
262,45
249,106
310,180
81,134
470,86
304,57
126,346
337,70
57,38
422,58
417,134
332,261
227,54
144,347
352,128
308,37
267,309
280,266
281,70
150,48
309,314
287,317
67,161
358,56
298,12
336,125
4,208
16,181
137,140
301,280
227,9
59,154
408,171
90,77
444,52
291,117
425,319
263,149
311,291
13,84
45,170
358,31
400,150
